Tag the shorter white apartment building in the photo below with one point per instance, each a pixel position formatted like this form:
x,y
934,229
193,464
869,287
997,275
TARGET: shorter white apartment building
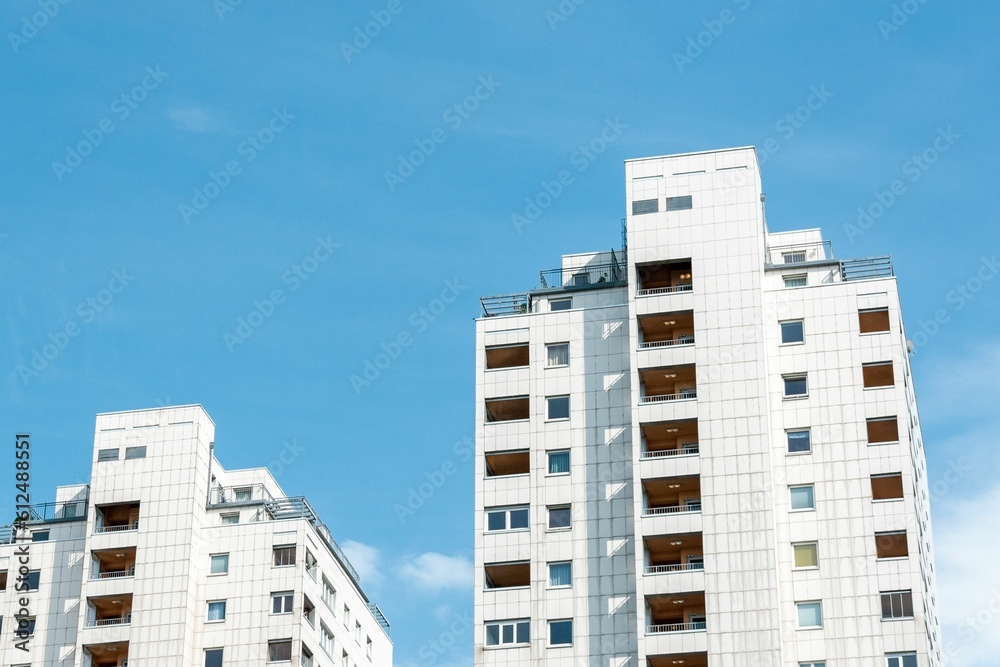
x,y
168,560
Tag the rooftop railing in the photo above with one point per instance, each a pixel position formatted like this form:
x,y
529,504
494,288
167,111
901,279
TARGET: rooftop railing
x,y
583,276
866,268
239,493
799,253
506,304
379,617
70,510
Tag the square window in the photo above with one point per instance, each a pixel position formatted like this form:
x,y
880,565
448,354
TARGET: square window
x,y
877,375
501,633
279,650
792,331
557,354
887,487
806,554
281,603
561,574
643,206
891,545
217,610
219,564
560,304
561,633
33,580
559,517
243,494
284,556
795,386
897,604
810,614
802,497
796,280
882,430
901,660
557,407
799,441
559,462
679,203
874,320
213,657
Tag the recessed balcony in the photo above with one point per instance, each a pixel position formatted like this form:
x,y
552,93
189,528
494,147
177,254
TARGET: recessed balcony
x,y
669,554
664,330
664,439
666,384
667,614
671,495
507,575
508,463
678,660
513,408
113,564
109,610
117,518
663,277
106,655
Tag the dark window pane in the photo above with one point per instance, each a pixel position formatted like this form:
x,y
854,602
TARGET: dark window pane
x,y
641,206
508,634
795,386
679,203
792,332
559,517
213,657
560,632
523,632
518,518
492,635
496,521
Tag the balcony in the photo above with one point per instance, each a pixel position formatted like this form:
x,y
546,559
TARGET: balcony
x,y
240,494
113,564
507,464
666,330
820,253
674,553
670,383
674,438
514,408
117,518
109,611
678,659
507,575
663,278
113,654
606,274
671,495
668,614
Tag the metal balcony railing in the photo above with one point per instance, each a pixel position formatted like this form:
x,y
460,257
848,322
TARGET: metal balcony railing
x,y
683,287
687,449
506,304
116,574
678,567
117,529
677,342
103,622
240,493
583,276
686,394
866,268
672,509
799,253
675,627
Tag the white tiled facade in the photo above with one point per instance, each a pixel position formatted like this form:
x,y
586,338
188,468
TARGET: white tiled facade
x,y
746,480
168,560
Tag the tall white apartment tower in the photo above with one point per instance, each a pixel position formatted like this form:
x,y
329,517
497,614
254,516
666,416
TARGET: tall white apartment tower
x,y
702,449
168,560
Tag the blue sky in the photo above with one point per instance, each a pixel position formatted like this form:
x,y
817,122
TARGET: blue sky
x,y
256,156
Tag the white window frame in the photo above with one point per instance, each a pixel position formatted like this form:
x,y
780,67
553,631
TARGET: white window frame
x,y
549,346
898,657
326,639
909,592
784,386
788,443
514,623
812,543
795,277
274,553
798,617
548,517
208,611
211,563
548,463
567,563
284,595
329,596
781,330
792,487
549,625
562,300
548,408
506,510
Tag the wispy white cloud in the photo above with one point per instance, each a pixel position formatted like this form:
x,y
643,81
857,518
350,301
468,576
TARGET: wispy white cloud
x,y
434,572
194,119
967,540
367,560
